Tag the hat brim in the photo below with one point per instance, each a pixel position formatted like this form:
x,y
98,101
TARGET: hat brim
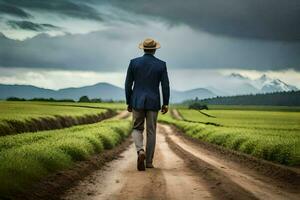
x,y
157,46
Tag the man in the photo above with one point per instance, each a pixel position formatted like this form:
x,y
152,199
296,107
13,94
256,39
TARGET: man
x,y
146,73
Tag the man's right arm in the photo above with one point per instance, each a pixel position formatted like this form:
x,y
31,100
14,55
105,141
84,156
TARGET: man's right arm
x,y
128,86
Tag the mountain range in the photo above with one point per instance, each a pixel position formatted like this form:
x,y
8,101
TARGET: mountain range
x,y
236,84
104,91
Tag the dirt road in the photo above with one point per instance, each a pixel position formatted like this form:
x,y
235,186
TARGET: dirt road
x,y
184,170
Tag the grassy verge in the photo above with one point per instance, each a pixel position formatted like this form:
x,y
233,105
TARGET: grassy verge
x,y
249,107
252,119
103,105
277,146
19,117
26,158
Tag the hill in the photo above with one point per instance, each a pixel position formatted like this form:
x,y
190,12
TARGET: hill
x,y
200,93
108,91
104,91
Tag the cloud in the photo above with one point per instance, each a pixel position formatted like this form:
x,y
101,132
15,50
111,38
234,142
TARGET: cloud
x,y
267,19
58,79
203,34
70,8
180,79
27,25
182,48
13,10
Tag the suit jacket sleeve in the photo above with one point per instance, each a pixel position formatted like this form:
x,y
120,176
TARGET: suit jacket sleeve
x,y
165,86
128,84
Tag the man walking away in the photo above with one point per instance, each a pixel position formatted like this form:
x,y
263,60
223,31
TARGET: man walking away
x,y
145,74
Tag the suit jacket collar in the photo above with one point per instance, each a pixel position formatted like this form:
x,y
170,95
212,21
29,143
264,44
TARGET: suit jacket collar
x,y
148,54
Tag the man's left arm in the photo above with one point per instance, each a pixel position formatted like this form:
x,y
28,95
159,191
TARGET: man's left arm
x,y
165,89
128,86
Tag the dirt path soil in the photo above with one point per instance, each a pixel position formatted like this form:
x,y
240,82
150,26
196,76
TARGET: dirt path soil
x,y
183,170
176,114
122,115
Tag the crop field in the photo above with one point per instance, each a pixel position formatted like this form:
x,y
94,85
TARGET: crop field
x,y
252,107
271,135
25,110
276,120
28,157
103,105
18,117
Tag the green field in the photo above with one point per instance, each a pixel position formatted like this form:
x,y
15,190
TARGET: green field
x,y
27,158
25,110
103,105
271,135
257,108
17,117
252,119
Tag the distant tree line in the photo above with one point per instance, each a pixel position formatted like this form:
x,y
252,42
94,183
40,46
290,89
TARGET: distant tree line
x,y
81,99
39,99
97,100
291,98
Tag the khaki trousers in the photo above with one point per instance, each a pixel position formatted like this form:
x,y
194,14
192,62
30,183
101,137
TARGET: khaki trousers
x,y
139,117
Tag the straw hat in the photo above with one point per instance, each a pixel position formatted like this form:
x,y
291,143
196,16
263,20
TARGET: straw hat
x,y
149,44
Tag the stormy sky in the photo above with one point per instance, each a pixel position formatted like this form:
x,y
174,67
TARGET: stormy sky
x,y
98,38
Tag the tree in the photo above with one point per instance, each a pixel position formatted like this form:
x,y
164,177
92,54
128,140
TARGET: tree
x,y
99,100
84,99
198,106
15,99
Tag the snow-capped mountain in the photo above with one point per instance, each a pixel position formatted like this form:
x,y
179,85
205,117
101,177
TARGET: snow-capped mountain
x,y
268,84
263,84
238,76
237,84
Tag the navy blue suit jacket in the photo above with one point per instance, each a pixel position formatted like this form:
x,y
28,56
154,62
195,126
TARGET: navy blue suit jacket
x,y
145,74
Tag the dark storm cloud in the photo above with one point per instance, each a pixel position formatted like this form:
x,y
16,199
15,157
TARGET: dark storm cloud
x,y
27,25
71,8
263,34
263,19
13,10
260,19
99,51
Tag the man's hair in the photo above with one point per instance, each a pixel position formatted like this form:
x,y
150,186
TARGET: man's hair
x,y
150,51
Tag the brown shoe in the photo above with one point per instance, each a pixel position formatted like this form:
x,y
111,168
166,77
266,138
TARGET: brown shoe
x,y
149,165
141,161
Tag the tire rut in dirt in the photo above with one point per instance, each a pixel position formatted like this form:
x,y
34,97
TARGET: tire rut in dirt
x,y
170,179
219,184
220,165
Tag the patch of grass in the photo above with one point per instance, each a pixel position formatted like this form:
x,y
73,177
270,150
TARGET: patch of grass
x,y
23,111
270,135
26,158
252,107
20,117
262,119
103,105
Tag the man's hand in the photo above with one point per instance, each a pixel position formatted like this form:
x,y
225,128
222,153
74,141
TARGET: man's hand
x,y
129,108
164,109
